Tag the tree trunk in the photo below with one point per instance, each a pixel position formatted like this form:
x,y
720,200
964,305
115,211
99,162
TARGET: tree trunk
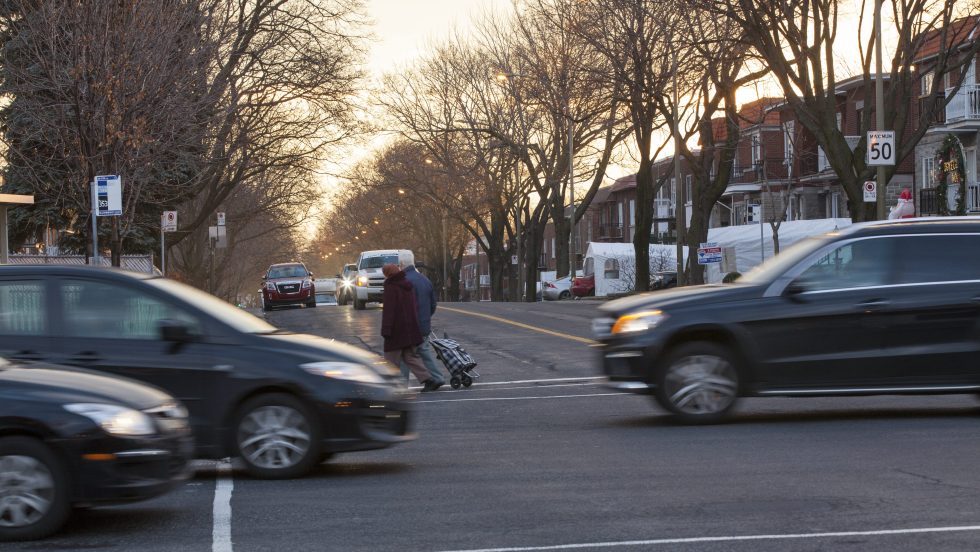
x,y
116,243
644,222
562,233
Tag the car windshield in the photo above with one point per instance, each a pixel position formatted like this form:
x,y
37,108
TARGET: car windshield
x,y
289,271
775,266
224,312
379,261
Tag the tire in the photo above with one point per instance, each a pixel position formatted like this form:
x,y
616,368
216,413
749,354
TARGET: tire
x,y
342,299
564,295
698,382
359,305
277,437
311,304
30,467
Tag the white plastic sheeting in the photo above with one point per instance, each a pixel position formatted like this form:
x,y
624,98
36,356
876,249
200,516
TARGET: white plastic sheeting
x,y
662,257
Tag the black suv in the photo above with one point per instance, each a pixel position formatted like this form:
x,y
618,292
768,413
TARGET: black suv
x,y
878,308
281,401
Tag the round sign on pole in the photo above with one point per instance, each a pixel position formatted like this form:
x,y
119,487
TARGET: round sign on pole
x,y
870,191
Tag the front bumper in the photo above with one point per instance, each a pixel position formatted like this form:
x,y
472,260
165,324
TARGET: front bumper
x,y
274,298
370,294
629,363
377,418
117,470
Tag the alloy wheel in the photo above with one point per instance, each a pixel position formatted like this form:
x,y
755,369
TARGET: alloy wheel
x,y
701,384
274,437
27,490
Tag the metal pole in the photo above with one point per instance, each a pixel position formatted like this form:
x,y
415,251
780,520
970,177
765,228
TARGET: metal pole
x,y
762,239
680,211
95,226
445,261
163,251
882,186
211,265
571,188
4,246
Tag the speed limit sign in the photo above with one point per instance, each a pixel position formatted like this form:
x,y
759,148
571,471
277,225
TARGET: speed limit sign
x,y
881,148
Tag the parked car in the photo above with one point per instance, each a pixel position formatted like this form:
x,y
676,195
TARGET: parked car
x,y
288,284
71,438
880,308
559,289
663,279
344,288
325,291
281,401
583,286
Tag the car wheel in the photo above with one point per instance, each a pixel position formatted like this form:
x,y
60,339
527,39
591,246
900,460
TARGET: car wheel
x,y
359,305
276,437
33,490
564,295
311,304
698,382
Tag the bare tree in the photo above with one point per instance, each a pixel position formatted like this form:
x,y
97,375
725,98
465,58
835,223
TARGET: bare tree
x,y
799,41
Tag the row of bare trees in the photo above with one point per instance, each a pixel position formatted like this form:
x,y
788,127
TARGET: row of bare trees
x,y
513,124
200,105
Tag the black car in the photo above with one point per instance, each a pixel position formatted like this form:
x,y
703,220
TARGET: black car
x,y
663,280
878,308
344,290
72,437
281,401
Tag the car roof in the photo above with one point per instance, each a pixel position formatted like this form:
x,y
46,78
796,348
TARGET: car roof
x,y
293,263
921,225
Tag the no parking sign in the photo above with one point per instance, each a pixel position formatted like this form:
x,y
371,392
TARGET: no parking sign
x,y
870,191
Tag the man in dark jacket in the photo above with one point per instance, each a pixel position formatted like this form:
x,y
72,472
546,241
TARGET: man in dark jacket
x,y
425,298
400,325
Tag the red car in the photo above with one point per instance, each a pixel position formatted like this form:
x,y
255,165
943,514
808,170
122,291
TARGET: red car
x,y
288,284
583,286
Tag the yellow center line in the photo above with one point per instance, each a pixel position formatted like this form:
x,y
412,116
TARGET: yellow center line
x,y
520,325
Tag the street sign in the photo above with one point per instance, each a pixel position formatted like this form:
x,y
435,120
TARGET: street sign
x,y
168,221
870,191
513,259
709,253
754,214
881,148
221,219
108,191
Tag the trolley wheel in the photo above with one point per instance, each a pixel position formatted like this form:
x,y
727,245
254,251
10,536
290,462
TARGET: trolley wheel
x,y
467,381
454,382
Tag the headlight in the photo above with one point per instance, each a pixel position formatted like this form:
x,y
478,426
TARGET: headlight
x,y
362,281
270,286
350,371
347,282
307,284
638,321
117,420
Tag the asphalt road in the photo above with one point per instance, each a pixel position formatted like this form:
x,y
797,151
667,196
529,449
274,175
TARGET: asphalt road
x,y
538,456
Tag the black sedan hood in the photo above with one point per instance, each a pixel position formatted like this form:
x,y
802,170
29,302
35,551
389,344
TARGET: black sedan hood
x,y
69,385
314,349
682,297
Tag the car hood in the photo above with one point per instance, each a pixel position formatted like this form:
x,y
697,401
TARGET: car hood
x,y
289,279
682,297
70,385
315,348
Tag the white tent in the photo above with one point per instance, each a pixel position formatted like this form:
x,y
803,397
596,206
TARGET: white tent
x,y
751,245
614,264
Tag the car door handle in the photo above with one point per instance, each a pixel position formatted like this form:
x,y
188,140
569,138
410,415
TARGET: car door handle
x,y
27,355
873,304
85,358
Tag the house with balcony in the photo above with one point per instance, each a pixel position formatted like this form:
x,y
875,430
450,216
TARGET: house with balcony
x,y
958,123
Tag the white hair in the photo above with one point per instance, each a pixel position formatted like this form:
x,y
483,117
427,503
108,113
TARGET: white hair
x,y
406,259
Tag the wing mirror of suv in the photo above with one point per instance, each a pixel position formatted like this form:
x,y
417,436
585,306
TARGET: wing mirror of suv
x,y
174,331
795,289
336,276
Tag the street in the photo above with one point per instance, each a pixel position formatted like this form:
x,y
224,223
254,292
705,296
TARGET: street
x,y
537,455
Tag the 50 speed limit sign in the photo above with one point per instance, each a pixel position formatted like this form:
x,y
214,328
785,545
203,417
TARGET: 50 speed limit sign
x,y
881,147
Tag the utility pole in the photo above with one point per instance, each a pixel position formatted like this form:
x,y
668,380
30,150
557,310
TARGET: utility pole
x,y
882,186
571,188
95,226
680,211
445,260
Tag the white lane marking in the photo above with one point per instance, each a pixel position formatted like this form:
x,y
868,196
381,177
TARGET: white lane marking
x,y
483,383
223,486
528,398
733,538
481,388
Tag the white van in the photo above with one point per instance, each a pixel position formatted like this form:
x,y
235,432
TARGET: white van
x,y
369,283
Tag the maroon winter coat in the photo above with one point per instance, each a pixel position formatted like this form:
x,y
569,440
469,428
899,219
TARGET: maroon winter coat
x,y
399,315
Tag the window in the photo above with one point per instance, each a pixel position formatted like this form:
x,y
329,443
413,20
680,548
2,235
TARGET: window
x,y
863,263
552,248
925,85
756,149
22,308
925,259
99,310
610,269
689,189
632,212
673,189
589,268
928,172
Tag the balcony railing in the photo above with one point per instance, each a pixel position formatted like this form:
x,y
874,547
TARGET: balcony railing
x,y
929,204
607,231
965,105
973,198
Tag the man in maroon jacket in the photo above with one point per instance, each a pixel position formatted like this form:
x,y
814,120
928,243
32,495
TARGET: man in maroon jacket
x,y
400,325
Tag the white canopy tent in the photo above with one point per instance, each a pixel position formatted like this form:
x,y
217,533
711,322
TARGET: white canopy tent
x,y
614,265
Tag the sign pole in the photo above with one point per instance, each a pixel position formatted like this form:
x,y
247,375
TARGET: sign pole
x,y
163,252
879,110
95,225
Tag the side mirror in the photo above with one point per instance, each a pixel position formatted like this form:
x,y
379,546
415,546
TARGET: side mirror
x,y
310,274
795,289
263,277
419,264
336,275
174,331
